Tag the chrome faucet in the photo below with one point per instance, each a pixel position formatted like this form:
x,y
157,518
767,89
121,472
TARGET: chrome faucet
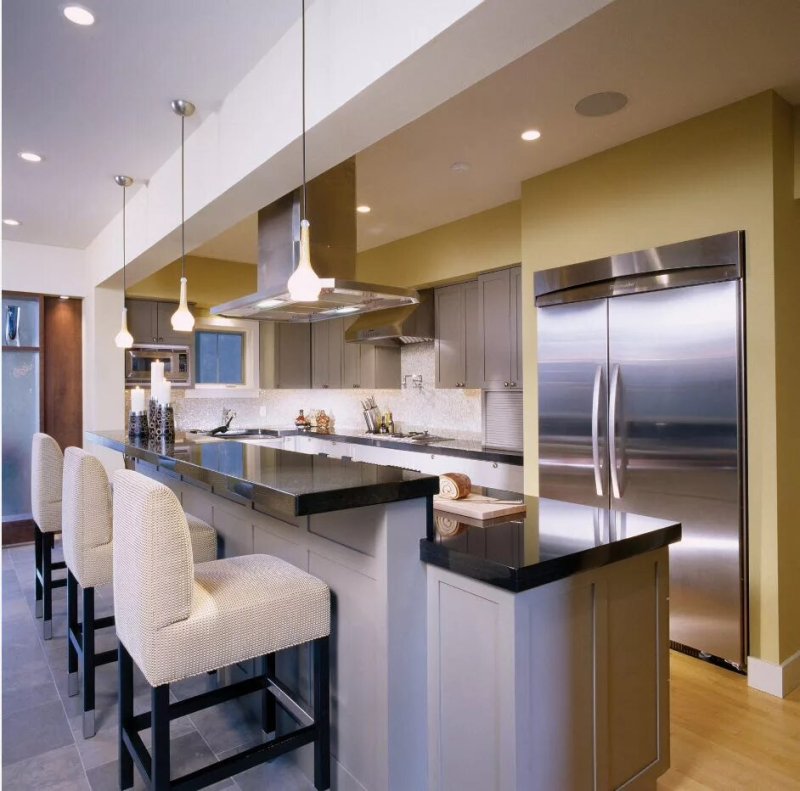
x,y
416,381
227,417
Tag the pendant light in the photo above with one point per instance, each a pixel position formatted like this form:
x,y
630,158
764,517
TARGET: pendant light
x,y
123,339
182,319
304,285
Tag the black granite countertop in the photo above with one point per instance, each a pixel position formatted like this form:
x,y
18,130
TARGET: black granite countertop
x,y
548,542
275,481
463,448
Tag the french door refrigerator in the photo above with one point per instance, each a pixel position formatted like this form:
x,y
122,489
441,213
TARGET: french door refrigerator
x,y
641,410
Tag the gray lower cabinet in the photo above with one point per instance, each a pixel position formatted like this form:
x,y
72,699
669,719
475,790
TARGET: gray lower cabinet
x,y
458,342
499,320
149,321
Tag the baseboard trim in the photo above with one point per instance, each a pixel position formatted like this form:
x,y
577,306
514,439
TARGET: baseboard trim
x,y
20,531
778,680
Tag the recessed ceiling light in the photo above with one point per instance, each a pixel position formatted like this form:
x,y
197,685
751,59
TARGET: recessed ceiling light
x,y
79,15
63,296
531,134
9,221
460,167
29,156
363,209
598,104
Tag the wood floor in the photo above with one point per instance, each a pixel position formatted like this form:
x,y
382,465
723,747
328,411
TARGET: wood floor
x,y
727,736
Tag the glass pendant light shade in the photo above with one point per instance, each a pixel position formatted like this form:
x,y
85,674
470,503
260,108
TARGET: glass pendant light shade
x,y
182,319
304,285
123,339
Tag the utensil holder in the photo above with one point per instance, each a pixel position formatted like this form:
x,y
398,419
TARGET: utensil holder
x,y
138,425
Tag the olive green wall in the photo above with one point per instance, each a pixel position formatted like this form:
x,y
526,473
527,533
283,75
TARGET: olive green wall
x,y
206,286
730,169
448,253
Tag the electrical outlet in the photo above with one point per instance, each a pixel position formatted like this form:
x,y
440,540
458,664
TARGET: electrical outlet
x,y
262,411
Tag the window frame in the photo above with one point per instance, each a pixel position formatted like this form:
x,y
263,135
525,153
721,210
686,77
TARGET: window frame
x,y
250,358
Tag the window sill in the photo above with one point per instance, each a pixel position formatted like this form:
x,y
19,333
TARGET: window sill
x,y
235,391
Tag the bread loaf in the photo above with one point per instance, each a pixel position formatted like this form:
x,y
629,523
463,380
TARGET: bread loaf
x,y
454,486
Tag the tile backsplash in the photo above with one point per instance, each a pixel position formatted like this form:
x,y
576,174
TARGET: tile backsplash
x,y
453,412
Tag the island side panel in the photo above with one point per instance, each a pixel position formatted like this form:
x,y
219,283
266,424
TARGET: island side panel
x,y
585,694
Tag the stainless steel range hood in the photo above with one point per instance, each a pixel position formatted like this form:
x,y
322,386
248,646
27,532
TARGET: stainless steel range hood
x,y
397,326
331,201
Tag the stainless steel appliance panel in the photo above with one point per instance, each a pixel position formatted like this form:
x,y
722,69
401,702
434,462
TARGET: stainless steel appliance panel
x,y
674,448
177,364
573,403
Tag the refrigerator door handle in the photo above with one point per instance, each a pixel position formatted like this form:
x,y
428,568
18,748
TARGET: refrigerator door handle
x,y
598,479
612,431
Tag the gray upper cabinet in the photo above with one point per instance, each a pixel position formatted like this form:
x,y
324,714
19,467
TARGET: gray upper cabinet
x,y
292,356
150,322
458,353
352,370
499,319
380,366
327,353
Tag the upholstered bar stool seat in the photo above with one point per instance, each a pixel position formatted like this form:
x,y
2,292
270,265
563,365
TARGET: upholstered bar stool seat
x,y
177,619
87,521
47,464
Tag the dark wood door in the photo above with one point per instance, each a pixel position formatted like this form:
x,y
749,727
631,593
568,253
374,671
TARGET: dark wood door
x,y
63,383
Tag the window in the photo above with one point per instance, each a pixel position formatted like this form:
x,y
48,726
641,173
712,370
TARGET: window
x,y
220,357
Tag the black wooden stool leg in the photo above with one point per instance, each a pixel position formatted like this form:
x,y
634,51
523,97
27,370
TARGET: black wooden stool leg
x,y
87,650
160,737
37,540
72,624
268,705
322,742
125,716
47,585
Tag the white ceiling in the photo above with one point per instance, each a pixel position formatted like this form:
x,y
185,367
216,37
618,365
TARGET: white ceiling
x,y
95,101
675,60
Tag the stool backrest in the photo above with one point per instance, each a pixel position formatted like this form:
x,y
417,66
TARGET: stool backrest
x,y
153,564
47,465
86,511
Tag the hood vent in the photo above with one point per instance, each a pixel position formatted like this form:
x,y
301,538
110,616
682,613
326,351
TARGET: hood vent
x,y
332,211
397,326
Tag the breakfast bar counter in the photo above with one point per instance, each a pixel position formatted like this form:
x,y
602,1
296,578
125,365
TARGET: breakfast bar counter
x,y
524,652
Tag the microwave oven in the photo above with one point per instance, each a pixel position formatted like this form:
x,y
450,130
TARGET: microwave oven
x,y
177,364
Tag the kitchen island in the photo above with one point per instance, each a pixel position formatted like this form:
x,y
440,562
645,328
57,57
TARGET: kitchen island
x,y
435,666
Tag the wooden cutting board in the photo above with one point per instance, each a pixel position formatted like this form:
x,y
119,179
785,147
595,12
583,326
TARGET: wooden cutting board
x,y
476,507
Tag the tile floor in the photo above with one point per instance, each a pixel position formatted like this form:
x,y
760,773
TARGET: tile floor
x,y
42,744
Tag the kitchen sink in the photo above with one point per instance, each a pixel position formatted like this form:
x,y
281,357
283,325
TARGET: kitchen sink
x,y
239,433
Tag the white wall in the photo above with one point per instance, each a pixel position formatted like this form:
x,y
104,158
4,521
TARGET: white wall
x,y
43,269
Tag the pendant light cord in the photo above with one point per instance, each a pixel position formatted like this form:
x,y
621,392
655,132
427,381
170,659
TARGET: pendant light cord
x,y
124,188
183,201
303,93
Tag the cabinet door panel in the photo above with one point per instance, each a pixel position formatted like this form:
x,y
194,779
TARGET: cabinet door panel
x,y
293,356
516,326
352,367
335,352
496,327
141,320
450,336
473,339
164,331
319,354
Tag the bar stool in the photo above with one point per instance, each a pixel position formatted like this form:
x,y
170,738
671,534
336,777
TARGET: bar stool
x,y
87,521
176,620
47,463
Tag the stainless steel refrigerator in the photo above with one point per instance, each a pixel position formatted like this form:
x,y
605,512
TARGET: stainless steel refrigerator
x,y
641,410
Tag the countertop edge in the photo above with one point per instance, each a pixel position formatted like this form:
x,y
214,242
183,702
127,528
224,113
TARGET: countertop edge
x,y
546,571
268,498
